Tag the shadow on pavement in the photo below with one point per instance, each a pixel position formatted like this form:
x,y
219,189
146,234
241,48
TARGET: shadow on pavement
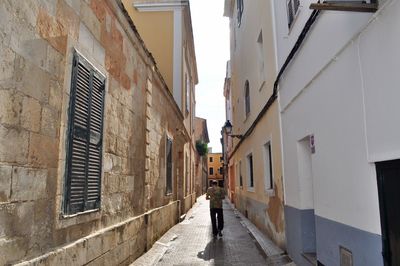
x,y
214,250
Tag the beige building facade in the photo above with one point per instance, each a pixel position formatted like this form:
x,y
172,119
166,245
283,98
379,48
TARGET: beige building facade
x,y
254,154
166,29
92,142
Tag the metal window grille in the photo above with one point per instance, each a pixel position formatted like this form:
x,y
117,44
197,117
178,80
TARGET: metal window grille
x,y
85,138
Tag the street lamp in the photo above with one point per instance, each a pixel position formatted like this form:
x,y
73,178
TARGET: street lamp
x,y
228,130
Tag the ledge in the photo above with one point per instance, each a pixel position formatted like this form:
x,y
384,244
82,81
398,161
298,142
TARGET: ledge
x,y
353,7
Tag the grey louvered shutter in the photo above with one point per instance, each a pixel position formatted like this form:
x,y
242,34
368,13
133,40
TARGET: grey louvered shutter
x,y
84,156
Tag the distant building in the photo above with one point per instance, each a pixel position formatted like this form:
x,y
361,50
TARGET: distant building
x,y
215,168
201,138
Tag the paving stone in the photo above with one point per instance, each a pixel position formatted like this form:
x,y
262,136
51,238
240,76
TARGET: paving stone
x,y
191,243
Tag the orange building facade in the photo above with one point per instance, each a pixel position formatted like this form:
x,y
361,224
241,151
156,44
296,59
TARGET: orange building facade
x,y
215,168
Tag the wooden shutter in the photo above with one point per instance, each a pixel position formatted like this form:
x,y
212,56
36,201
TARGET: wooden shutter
x,y
84,155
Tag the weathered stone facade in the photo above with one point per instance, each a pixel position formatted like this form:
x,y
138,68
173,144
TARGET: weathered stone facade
x,y
201,134
37,41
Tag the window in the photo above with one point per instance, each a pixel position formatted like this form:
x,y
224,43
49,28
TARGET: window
x,y
211,172
250,170
85,138
211,159
187,88
268,176
247,97
221,159
187,173
221,170
168,166
292,8
260,48
240,174
239,7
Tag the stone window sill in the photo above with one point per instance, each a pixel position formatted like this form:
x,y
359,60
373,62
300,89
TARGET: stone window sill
x,y
66,220
270,192
251,189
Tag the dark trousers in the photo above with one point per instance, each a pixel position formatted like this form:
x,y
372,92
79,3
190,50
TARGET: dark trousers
x,y
217,213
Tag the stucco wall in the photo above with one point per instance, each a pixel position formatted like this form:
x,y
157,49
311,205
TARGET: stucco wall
x,y
263,206
345,98
350,103
157,31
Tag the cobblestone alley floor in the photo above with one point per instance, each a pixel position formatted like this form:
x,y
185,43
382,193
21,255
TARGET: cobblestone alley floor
x,y
191,243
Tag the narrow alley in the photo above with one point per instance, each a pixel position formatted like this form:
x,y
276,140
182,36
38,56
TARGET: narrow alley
x,y
191,243
117,117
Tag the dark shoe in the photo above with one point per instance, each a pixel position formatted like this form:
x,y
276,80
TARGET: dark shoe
x,y
220,233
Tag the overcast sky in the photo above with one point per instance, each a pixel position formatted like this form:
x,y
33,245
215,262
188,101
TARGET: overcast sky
x,y
211,37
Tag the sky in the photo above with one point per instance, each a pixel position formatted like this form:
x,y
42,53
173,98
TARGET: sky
x,y
211,37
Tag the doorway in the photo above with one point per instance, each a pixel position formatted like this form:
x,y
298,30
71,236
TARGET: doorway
x,y
306,197
388,175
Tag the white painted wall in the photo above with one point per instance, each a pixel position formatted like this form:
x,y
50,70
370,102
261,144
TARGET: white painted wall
x,y
341,87
380,61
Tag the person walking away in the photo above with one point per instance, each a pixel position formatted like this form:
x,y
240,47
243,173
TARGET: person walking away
x,y
216,194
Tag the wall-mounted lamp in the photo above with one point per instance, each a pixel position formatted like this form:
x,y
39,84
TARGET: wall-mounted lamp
x,y
228,130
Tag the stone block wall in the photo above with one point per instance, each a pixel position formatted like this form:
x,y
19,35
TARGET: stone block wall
x,y
119,244
37,41
188,202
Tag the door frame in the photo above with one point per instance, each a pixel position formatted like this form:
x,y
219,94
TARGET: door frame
x,y
380,167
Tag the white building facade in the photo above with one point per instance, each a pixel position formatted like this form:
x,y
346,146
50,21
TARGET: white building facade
x,y
339,107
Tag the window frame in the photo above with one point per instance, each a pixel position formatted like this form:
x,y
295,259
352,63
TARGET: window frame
x,y
187,174
240,9
211,170
247,100
187,90
76,133
240,174
295,10
268,168
169,175
261,61
250,172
